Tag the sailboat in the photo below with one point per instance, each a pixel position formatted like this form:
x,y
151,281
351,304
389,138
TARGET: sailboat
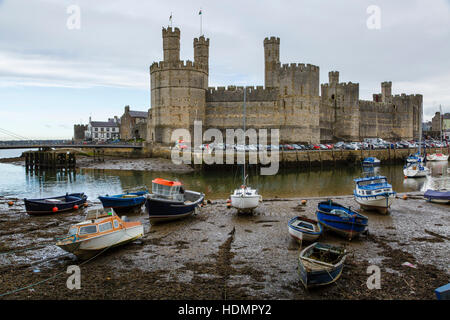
x,y
438,156
245,198
415,169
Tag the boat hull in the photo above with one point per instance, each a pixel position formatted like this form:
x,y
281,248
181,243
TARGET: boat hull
x,y
315,274
441,197
347,226
122,205
437,157
411,173
245,203
43,207
85,249
303,235
377,203
160,210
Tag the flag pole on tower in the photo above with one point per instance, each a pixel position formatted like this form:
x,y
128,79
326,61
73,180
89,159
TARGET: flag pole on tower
x,y
170,19
200,14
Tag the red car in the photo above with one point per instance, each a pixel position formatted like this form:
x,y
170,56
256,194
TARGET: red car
x,y
316,147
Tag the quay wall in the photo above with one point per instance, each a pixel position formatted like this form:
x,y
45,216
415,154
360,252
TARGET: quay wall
x,y
318,157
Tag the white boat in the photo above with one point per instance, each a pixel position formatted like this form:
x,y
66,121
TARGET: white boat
x,y
415,170
99,232
245,198
437,157
374,193
304,229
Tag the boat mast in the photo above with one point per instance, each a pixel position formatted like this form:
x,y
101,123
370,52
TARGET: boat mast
x,y
245,97
420,132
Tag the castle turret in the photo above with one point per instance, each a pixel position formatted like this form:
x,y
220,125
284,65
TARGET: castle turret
x,y
386,91
178,89
333,77
171,44
201,51
272,61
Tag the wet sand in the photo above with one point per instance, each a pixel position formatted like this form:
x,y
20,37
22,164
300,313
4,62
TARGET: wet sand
x,y
218,254
112,163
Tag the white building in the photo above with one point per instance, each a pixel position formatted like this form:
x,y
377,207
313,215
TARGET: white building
x,y
103,130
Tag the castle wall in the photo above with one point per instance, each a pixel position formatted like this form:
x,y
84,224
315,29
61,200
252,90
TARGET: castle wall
x,y
339,112
299,103
225,108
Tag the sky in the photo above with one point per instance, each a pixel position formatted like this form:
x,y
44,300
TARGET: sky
x,y
53,76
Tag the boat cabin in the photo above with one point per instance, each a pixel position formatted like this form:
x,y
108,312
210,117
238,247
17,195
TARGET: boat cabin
x,y
371,186
168,189
97,223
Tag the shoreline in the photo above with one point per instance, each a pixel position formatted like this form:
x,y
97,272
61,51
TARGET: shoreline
x,y
218,254
118,163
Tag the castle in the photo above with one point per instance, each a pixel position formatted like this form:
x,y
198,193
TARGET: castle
x,y
290,100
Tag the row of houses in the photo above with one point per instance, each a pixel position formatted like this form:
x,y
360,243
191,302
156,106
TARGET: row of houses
x,y
438,122
132,125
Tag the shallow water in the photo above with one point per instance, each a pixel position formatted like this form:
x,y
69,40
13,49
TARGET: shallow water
x,y
15,181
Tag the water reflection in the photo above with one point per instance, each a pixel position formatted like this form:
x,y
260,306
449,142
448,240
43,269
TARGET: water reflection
x,y
16,182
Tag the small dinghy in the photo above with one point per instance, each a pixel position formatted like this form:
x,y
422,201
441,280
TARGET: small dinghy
x,y
371,161
68,202
374,193
169,201
100,231
126,202
320,264
415,170
304,229
435,196
340,219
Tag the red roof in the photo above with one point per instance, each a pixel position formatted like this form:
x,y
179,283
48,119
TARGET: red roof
x,y
166,182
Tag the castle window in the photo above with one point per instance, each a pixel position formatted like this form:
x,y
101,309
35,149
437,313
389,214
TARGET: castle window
x,y
332,96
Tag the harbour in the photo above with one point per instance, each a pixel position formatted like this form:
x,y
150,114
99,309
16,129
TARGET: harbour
x,y
217,253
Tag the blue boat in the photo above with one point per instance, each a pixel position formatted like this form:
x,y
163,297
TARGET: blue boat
x,y
443,293
320,264
413,158
125,202
340,219
437,196
371,161
68,202
169,201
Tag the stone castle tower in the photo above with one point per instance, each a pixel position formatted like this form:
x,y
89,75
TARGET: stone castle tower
x,y
290,100
178,88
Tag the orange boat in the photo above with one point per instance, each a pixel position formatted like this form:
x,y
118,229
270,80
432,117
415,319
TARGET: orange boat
x,y
100,231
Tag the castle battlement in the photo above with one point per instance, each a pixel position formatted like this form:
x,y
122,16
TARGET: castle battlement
x,y
170,32
236,93
201,40
297,67
179,65
345,85
274,40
